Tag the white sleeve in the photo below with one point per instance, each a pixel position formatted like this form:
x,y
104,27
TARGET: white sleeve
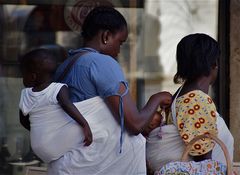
x,y
54,92
22,107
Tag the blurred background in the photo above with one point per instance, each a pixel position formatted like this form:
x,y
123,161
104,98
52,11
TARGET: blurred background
x,y
147,58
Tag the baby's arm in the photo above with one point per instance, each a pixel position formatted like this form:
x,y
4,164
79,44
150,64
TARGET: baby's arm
x,y
24,120
72,111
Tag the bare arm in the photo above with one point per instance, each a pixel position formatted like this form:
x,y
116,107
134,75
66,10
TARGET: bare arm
x,y
73,112
69,107
24,120
135,120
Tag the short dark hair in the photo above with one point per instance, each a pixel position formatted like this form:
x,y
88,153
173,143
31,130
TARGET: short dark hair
x,y
34,60
196,55
102,18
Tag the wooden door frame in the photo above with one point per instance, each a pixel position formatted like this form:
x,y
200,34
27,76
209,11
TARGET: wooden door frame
x,y
222,85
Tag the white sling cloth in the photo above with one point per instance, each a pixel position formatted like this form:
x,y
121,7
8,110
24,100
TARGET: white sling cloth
x,y
66,154
170,148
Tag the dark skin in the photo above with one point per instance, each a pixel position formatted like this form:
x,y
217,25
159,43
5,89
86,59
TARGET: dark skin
x,y
202,83
190,87
24,120
135,120
41,79
154,123
71,110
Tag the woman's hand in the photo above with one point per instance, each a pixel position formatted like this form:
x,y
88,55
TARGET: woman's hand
x,y
166,99
163,98
155,122
136,120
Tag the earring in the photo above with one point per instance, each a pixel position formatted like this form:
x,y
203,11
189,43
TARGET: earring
x,y
105,42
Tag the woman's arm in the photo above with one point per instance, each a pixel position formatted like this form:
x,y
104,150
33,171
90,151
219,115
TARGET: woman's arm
x,y
24,120
135,120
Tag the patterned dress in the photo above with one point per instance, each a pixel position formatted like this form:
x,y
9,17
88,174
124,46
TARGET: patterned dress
x,y
205,167
196,115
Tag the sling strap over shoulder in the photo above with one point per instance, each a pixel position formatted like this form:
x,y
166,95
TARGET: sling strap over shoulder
x,y
69,66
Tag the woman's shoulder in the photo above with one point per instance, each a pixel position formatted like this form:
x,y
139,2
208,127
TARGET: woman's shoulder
x,y
97,58
197,96
195,93
195,103
102,58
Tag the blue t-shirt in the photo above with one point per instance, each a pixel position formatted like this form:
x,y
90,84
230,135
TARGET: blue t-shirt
x,y
93,74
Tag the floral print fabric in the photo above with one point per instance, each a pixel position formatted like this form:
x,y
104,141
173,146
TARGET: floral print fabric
x,y
205,167
196,115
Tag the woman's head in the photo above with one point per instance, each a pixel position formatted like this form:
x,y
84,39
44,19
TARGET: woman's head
x,y
197,56
38,66
106,29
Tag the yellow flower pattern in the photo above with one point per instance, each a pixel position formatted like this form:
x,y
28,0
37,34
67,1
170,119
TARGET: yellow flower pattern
x,y
196,115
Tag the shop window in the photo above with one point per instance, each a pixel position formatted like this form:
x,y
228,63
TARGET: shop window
x,y
147,58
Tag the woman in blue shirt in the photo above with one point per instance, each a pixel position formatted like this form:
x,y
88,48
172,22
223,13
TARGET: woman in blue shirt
x,y
96,73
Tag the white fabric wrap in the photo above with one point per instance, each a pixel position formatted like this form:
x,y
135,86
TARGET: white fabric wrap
x,y
170,147
62,143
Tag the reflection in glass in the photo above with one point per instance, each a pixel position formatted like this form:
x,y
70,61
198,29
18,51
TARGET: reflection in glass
x,y
148,56
18,155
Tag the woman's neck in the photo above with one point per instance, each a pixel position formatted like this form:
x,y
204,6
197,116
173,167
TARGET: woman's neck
x,y
202,84
91,44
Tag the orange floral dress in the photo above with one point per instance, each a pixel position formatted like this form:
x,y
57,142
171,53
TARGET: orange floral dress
x,y
196,115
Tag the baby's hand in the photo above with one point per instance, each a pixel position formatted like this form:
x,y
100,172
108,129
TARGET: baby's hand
x,y
88,135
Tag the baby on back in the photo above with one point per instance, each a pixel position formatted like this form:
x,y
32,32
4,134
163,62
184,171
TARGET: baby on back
x,y
46,109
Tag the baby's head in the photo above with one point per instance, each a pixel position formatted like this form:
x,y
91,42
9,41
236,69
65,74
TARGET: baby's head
x,y
38,66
